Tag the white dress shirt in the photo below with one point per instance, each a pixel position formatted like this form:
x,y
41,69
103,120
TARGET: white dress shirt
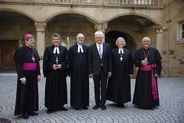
x,y
100,49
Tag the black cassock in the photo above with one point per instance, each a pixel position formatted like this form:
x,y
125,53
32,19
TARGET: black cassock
x,y
27,95
118,89
55,88
143,94
78,70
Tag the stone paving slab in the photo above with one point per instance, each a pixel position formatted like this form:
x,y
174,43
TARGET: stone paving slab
x,y
171,109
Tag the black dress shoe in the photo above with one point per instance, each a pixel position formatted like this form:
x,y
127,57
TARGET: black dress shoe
x,y
121,105
77,108
25,116
96,107
146,107
33,113
63,109
103,107
85,108
49,111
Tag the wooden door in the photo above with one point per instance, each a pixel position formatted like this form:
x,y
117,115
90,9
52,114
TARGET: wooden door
x,y
7,50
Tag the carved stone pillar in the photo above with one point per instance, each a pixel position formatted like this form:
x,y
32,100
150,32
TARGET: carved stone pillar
x,y
159,37
40,40
40,37
101,27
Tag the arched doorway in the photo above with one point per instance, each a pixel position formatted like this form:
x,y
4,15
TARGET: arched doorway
x,y
111,37
13,26
68,25
133,28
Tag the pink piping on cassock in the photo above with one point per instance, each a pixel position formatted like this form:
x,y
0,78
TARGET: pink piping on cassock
x,y
153,78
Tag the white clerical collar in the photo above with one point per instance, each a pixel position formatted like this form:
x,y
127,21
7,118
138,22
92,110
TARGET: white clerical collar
x,y
29,46
56,50
120,50
79,44
80,49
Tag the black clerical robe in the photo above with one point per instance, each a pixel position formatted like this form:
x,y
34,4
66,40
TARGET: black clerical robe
x,y
118,89
78,69
146,87
55,88
27,66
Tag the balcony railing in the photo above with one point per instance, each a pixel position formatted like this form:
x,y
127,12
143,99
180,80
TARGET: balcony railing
x,y
107,3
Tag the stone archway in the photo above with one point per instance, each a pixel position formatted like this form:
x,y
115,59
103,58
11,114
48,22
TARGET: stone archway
x,y
133,28
111,37
13,26
68,25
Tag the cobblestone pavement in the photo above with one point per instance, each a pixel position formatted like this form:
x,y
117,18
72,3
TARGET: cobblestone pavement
x,y
171,109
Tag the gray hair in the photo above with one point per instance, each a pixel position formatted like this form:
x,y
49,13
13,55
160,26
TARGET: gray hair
x,y
99,34
146,38
55,35
120,39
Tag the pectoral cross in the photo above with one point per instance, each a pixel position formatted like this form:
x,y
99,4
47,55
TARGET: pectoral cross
x,y
121,54
33,59
146,60
121,58
57,60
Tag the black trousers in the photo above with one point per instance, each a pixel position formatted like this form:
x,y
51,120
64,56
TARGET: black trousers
x,y
100,82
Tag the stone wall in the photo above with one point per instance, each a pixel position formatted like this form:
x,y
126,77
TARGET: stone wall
x,y
173,47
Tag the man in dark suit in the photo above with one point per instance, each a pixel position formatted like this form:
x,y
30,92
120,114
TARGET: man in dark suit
x,y
99,68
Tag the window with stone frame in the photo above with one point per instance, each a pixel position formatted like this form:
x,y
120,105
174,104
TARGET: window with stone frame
x,y
182,30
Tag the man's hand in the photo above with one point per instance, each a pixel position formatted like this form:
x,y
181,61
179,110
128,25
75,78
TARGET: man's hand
x,y
90,75
38,78
109,74
58,66
132,76
23,80
54,67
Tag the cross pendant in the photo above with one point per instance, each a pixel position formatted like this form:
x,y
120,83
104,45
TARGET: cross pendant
x,y
57,60
121,58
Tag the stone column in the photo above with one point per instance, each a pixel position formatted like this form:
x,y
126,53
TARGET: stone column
x,y
161,46
40,37
159,37
40,40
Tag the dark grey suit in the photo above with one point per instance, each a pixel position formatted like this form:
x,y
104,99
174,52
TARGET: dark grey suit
x,y
100,67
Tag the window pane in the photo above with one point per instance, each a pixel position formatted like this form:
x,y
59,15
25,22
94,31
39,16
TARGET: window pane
x,y
182,31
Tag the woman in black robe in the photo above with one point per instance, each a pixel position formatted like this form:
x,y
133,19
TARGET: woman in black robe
x,y
148,61
78,67
118,89
54,68
28,70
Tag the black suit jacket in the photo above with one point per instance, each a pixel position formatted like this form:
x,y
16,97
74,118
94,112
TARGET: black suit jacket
x,y
96,63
